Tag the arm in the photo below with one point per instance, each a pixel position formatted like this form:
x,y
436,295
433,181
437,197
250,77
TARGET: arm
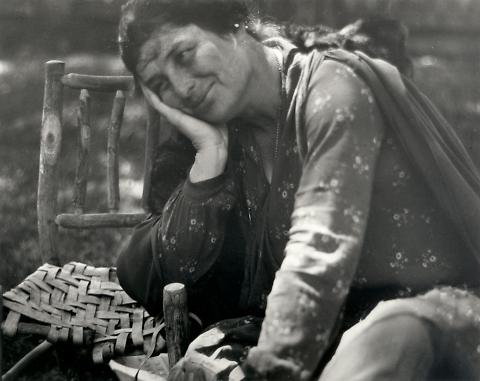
x,y
184,242
180,245
343,130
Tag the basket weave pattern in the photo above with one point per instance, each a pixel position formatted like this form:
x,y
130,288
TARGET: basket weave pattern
x,y
83,305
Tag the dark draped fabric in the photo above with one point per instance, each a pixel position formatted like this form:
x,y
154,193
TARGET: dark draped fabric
x,y
429,140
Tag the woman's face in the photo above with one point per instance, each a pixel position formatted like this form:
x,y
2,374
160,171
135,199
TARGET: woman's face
x,y
199,72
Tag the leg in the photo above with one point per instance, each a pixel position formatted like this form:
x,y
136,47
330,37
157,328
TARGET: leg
x,y
392,343
413,339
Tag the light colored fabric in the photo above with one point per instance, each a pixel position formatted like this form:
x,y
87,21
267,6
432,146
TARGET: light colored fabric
x,y
418,338
218,353
395,348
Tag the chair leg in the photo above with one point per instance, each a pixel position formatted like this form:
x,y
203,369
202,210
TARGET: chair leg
x,y
26,360
177,327
1,330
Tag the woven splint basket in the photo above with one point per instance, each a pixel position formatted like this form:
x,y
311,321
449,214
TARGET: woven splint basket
x,y
83,305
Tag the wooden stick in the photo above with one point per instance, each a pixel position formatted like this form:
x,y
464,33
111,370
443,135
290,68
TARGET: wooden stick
x,y
99,220
1,330
108,83
151,142
51,137
112,150
43,331
83,147
33,329
177,327
26,360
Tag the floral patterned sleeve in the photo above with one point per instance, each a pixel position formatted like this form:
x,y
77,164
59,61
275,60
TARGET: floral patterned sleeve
x,y
180,245
343,130
191,231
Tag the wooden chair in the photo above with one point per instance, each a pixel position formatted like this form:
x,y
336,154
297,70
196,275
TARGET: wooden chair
x,y
51,139
79,303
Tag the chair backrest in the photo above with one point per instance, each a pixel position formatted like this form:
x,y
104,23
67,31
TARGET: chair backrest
x,y
51,140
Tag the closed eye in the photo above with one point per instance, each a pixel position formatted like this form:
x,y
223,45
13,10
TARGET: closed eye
x,y
185,56
160,87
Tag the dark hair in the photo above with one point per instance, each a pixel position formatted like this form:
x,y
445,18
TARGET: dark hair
x,y
377,36
141,18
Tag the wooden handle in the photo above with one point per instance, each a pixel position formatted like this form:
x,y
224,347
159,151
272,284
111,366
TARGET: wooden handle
x,y
177,327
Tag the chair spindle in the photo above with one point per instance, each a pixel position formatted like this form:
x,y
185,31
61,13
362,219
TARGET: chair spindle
x,y
84,131
112,150
151,142
1,331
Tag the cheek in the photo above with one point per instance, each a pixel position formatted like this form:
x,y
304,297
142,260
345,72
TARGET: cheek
x,y
171,99
225,105
208,61
237,85
231,94
220,61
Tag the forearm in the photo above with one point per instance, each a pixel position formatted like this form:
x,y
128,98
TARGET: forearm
x,y
162,249
191,231
314,278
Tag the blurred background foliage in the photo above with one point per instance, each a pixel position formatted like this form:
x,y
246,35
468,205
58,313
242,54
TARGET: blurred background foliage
x,y
444,43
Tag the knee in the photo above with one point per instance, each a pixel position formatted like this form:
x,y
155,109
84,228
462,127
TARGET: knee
x,y
406,308
402,330
391,343
395,322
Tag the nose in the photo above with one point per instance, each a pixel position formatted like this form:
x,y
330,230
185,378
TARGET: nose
x,y
183,86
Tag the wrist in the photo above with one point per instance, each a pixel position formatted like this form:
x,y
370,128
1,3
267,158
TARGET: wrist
x,y
209,163
265,365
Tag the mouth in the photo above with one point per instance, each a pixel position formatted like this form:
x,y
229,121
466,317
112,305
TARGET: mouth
x,y
200,102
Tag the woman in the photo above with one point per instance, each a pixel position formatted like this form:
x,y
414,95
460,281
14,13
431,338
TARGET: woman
x,y
306,178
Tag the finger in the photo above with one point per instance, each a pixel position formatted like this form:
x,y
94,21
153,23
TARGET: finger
x,y
179,119
154,100
173,115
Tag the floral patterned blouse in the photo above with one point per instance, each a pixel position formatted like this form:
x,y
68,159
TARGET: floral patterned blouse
x,y
351,214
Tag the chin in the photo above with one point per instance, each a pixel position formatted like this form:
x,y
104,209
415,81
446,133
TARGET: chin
x,y
220,107
217,115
